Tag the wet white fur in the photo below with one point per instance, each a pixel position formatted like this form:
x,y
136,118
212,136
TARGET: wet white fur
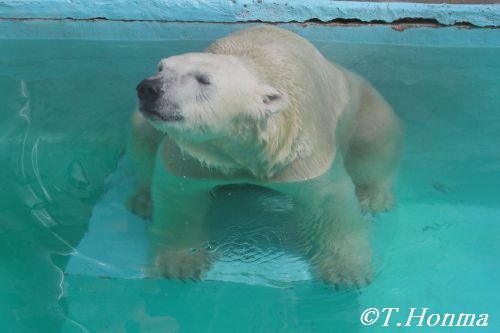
x,y
325,129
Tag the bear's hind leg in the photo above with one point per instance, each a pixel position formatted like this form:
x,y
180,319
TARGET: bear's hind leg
x,y
374,151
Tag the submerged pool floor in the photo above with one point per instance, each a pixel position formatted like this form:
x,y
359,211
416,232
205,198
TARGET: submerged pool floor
x,y
64,106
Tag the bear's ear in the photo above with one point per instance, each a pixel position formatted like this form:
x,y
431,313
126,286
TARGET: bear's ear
x,y
272,100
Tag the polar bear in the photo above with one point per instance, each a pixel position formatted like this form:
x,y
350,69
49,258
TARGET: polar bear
x,y
262,106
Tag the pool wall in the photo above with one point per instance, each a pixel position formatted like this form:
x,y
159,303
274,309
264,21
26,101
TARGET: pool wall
x,y
481,15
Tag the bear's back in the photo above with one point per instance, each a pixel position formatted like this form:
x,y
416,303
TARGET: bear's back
x,y
283,60
270,46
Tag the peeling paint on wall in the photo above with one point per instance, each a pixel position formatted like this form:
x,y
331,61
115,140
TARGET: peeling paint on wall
x,y
482,15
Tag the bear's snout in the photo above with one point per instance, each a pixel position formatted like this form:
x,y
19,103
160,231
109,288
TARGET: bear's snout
x,y
149,90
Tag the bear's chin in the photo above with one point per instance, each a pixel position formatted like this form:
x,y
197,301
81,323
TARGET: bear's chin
x,y
166,126
156,116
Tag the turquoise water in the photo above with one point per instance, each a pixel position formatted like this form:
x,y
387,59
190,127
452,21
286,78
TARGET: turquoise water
x,y
64,108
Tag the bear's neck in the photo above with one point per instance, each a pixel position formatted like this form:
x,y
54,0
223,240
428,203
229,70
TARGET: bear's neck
x,y
259,157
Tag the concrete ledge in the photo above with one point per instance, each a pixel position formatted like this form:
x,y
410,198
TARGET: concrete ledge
x,y
485,15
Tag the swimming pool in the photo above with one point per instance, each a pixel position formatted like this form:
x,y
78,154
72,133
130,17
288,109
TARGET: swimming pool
x,y
66,95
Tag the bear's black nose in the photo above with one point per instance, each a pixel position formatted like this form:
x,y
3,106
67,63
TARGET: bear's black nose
x,y
149,90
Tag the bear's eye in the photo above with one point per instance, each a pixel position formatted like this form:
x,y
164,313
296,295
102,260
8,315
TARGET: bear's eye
x,y
160,68
202,79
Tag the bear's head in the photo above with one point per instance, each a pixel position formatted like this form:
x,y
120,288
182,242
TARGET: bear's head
x,y
203,96
220,110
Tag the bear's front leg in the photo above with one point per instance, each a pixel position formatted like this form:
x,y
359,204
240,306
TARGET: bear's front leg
x,y
142,147
343,260
340,251
178,232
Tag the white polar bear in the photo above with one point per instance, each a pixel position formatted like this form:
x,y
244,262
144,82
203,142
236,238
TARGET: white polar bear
x,y
263,106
